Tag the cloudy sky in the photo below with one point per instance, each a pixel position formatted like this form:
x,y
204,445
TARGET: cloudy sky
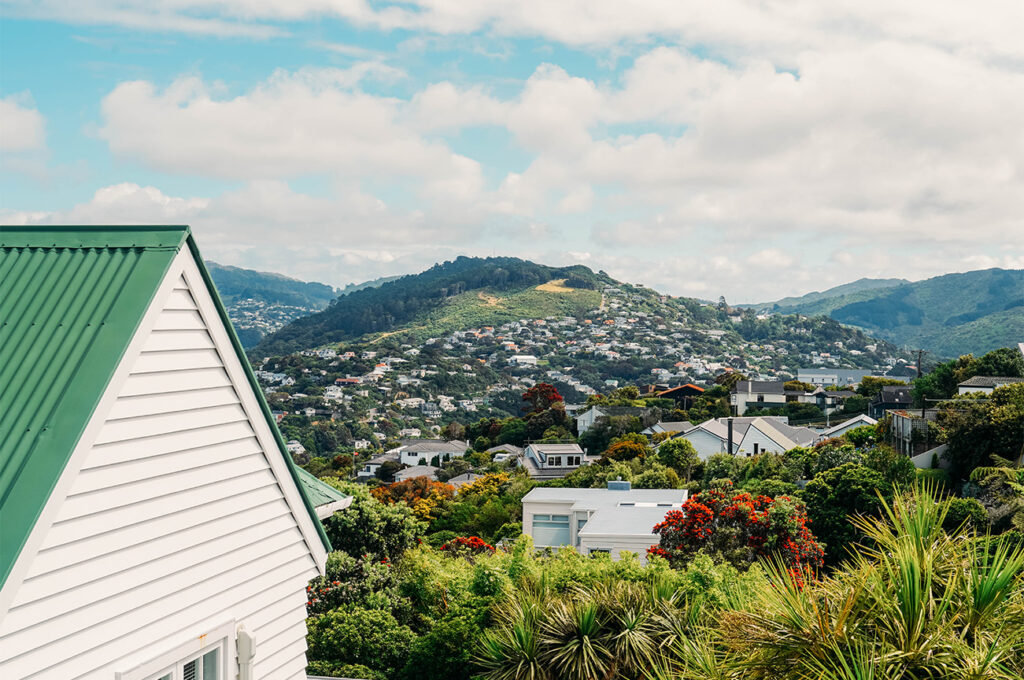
x,y
739,147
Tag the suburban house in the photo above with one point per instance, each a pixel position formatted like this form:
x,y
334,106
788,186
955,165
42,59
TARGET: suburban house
x,y
503,452
892,397
413,451
428,471
683,395
668,426
462,480
154,525
586,419
842,377
985,384
750,436
748,394
845,426
610,520
522,360
374,464
552,461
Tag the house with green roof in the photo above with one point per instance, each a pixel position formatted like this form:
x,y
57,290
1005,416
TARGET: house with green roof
x,y
152,524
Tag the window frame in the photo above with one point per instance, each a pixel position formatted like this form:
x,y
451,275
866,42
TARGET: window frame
x,y
222,637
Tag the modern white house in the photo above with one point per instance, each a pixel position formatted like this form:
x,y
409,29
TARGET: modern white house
x,y
610,520
153,522
757,394
412,452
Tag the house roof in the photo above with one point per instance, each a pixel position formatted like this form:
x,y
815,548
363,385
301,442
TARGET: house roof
x,y
856,421
893,394
761,386
989,381
417,471
549,449
625,521
324,497
72,299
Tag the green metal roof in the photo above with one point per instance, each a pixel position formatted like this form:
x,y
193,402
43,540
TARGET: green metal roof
x,y
319,493
71,299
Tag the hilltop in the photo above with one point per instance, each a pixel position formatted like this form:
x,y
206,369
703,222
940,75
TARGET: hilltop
x,y
950,315
449,296
261,302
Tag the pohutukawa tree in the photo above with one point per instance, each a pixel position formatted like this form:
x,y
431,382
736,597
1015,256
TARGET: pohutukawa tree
x,y
739,528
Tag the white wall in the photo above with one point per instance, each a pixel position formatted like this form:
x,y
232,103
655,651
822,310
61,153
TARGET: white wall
x,y
755,436
175,524
618,544
705,443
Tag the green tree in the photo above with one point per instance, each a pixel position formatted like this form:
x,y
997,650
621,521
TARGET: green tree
x,y
679,455
353,635
976,428
834,497
369,527
870,386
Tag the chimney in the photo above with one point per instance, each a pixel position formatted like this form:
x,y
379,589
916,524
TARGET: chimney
x,y
619,485
730,436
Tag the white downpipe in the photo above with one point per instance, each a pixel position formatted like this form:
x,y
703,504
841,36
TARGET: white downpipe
x,y
246,645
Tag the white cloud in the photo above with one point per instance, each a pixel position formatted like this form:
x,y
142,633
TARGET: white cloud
x,y
22,127
295,123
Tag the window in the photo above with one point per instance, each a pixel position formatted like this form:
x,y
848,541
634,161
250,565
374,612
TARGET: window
x,y
756,447
555,461
551,530
205,657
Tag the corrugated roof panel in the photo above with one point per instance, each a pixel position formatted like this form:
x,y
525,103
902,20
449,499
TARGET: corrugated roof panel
x,y
318,493
70,302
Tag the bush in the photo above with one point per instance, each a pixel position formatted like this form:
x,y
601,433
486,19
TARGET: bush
x,y
355,635
965,511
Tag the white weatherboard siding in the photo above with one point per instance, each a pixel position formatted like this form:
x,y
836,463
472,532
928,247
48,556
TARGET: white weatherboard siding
x,y
176,522
764,442
705,443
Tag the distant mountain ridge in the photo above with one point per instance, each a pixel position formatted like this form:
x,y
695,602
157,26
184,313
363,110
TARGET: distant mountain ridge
x,y
973,312
236,283
858,286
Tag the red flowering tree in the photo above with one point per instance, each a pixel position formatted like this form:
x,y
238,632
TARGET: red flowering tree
x,y
466,546
739,528
541,397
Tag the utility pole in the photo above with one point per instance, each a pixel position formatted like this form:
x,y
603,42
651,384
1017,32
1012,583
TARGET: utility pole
x,y
920,353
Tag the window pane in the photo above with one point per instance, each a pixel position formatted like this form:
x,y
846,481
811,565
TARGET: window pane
x,y
211,665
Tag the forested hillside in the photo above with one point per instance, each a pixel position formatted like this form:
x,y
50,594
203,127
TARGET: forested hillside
x,y
413,298
949,315
235,283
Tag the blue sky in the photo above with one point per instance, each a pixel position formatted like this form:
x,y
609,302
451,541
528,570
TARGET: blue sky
x,y
702,148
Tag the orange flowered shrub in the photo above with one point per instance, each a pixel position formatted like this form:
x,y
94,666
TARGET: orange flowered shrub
x,y
422,494
740,529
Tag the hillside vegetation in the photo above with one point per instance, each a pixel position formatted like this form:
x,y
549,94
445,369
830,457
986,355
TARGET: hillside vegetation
x,y
949,315
446,295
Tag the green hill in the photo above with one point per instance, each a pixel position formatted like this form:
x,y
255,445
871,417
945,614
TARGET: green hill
x,y
235,283
459,294
949,315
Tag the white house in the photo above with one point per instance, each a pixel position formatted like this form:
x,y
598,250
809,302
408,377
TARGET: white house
x,y
152,518
757,394
552,461
985,384
750,436
411,453
522,360
607,520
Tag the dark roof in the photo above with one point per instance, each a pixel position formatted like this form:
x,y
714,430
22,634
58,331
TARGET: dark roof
x,y
989,381
761,386
894,394
686,390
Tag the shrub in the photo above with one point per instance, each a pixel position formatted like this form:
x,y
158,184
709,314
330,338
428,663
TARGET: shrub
x,y
355,635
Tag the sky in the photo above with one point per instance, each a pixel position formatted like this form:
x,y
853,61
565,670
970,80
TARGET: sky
x,y
742,148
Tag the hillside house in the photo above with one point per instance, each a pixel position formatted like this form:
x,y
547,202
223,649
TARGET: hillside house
x,y
612,520
750,436
152,517
748,394
587,418
845,426
892,397
552,461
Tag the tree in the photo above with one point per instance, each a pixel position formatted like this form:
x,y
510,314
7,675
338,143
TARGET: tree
x,y
740,529
369,527
454,430
354,635
541,397
836,495
720,466
627,447
679,455
976,429
728,380
870,386
386,471
798,385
